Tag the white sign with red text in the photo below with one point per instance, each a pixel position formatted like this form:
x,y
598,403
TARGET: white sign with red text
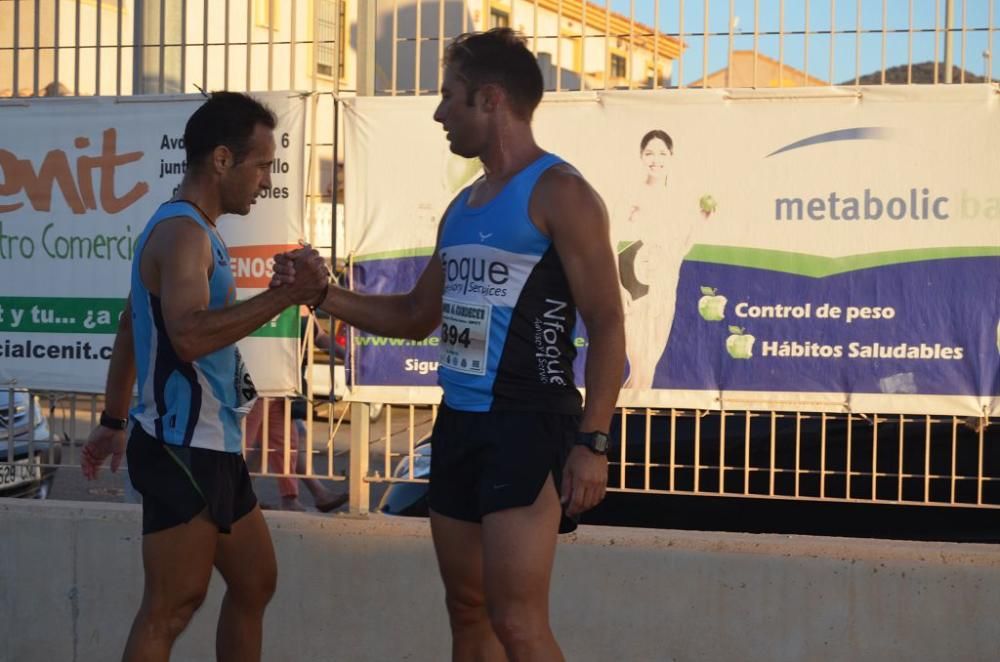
x,y
79,179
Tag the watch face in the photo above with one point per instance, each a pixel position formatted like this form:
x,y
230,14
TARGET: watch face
x,y
595,441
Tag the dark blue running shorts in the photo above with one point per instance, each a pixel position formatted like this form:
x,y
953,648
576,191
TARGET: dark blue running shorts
x,y
483,462
178,482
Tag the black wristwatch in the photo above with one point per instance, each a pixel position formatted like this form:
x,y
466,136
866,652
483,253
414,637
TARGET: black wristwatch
x,y
113,423
595,441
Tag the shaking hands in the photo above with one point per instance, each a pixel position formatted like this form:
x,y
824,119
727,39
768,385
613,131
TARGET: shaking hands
x,y
302,274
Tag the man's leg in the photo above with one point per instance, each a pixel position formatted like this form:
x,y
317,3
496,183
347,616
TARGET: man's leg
x,y
178,565
518,550
459,553
245,558
252,424
324,498
288,488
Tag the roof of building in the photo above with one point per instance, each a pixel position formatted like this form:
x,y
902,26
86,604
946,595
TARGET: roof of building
x,y
617,25
769,73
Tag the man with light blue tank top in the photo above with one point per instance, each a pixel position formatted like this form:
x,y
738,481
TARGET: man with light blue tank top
x,y
519,253
177,338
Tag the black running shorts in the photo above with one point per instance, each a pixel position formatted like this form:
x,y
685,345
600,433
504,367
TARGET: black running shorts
x,y
483,462
178,482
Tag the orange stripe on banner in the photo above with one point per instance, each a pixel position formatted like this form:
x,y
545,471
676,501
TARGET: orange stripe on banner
x,y
252,265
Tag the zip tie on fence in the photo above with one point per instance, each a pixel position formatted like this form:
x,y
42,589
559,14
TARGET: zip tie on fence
x,y
975,423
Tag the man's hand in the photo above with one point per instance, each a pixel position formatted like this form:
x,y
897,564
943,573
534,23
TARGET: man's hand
x,y
303,274
584,480
284,269
102,443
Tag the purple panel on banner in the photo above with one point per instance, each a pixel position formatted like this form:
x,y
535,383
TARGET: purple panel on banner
x,y
915,328
935,332
380,361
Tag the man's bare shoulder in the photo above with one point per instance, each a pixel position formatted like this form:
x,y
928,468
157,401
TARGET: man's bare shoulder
x,y
562,191
177,231
176,239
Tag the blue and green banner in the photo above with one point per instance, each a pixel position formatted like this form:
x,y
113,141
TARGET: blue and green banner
x,y
818,250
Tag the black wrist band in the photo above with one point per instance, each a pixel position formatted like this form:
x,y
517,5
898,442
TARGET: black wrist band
x,y
326,290
113,423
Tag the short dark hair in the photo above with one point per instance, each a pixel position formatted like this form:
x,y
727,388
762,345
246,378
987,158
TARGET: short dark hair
x,y
227,118
498,57
657,134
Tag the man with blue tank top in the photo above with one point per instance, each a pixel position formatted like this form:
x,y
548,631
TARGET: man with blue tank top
x,y
177,339
519,253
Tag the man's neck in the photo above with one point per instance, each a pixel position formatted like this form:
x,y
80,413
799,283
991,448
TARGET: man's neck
x,y
193,190
509,152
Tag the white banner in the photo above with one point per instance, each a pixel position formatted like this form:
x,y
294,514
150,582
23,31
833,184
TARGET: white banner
x,y
80,179
831,249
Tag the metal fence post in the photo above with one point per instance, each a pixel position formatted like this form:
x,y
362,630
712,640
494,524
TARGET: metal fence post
x,y
358,487
367,21
138,48
949,24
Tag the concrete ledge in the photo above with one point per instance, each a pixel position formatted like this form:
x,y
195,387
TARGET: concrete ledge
x,y
367,589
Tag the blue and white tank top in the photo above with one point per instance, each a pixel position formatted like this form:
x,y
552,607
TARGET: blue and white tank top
x,y
197,404
507,314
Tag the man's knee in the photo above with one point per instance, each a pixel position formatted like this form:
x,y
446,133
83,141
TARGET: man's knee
x,y
466,608
518,623
169,615
255,589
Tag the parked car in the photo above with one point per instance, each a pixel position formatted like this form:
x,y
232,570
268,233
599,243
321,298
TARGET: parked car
x,y
23,422
406,498
712,510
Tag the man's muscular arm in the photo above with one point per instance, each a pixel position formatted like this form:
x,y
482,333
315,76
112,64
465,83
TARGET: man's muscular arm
x,y
567,209
181,255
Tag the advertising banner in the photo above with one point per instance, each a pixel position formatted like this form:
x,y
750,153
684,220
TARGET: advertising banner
x,y
815,249
79,179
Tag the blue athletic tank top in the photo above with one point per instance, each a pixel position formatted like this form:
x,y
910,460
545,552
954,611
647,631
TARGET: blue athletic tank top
x,y
197,404
507,314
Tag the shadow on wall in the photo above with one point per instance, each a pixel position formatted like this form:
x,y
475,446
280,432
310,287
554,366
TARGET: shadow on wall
x,y
53,89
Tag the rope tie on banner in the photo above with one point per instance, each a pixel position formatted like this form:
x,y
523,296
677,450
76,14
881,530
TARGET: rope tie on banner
x,y
765,95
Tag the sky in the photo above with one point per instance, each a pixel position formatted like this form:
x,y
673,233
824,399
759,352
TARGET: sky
x,y
847,16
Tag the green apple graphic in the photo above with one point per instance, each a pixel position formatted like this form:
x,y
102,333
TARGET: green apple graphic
x,y
711,306
707,204
739,344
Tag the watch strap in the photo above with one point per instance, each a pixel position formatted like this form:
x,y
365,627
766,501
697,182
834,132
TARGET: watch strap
x,y
113,423
596,441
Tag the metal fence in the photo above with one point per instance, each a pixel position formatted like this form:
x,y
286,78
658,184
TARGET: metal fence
x,y
122,47
332,48
698,43
886,459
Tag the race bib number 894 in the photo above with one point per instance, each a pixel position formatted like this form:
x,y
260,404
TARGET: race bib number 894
x,y
465,332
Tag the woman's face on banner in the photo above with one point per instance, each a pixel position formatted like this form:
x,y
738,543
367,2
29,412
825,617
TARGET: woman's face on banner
x,y
655,156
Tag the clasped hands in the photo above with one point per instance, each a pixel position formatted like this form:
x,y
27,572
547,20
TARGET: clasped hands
x,y
302,275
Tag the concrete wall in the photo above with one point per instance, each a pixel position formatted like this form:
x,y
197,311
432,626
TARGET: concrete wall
x,y
367,589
